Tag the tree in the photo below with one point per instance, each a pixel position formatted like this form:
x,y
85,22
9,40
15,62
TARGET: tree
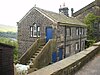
x,y
89,20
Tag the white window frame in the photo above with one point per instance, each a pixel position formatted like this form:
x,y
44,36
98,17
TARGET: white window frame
x,y
31,31
77,46
34,31
82,31
77,31
38,31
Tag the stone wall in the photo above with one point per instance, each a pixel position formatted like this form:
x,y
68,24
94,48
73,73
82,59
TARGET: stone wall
x,y
93,7
70,65
24,39
70,40
34,16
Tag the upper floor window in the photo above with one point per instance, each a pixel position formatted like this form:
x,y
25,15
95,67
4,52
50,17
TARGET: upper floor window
x,y
68,31
82,31
35,31
77,31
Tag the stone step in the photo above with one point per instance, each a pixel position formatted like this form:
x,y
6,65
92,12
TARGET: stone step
x,y
32,70
42,44
32,59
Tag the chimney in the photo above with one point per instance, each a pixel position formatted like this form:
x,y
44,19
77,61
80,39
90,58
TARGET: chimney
x,y
64,10
72,11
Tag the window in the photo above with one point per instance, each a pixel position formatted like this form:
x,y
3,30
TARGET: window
x,y
68,50
77,46
83,45
77,31
82,31
31,31
35,31
68,31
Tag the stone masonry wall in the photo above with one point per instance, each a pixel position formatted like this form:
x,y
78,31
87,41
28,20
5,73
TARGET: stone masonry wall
x,y
24,39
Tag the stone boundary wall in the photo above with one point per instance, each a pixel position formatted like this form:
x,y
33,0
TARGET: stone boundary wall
x,y
70,65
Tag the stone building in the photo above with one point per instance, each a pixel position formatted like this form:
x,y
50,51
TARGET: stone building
x,y
70,33
93,7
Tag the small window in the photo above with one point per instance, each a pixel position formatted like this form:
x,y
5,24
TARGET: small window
x,y
31,31
68,50
83,45
82,31
77,46
35,31
38,31
68,31
77,31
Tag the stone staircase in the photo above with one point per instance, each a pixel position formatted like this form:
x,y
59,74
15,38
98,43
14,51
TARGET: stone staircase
x,y
29,57
32,60
38,55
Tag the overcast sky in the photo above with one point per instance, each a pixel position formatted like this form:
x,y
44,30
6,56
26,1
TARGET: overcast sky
x,y
11,11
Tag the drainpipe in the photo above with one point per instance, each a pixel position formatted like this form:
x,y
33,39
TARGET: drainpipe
x,y
65,43
80,32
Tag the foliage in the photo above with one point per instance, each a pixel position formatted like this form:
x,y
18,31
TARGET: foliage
x,y
12,43
89,43
90,20
8,34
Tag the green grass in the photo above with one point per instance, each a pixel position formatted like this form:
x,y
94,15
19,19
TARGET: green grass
x,y
5,28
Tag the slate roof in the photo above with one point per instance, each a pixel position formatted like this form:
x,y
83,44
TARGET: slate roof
x,y
84,9
57,17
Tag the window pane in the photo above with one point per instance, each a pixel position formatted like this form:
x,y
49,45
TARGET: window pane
x,y
77,46
68,31
68,48
77,31
35,30
31,31
31,28
38,29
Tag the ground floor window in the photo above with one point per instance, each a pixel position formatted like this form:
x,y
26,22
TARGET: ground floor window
x,y
83,45
68,50
77,47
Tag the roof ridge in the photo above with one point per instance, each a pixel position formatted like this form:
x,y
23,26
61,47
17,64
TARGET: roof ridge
x,y
41,11
85,7
55,17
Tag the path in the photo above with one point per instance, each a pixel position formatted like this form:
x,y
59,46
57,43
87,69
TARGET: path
x,y
91,68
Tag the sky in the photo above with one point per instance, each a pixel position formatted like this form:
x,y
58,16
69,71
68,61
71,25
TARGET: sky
x,y
11,11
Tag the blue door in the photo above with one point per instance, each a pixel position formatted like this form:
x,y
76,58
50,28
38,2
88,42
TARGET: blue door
x,y
48,33
60,54
54,57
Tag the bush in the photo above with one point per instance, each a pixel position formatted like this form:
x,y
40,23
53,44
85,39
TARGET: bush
x,y
12,43
89,43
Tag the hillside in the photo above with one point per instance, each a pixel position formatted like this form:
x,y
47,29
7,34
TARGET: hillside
x,y
8,31
5,28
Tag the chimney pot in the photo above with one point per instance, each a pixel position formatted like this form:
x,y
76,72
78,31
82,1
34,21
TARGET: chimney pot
x,y
72,11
